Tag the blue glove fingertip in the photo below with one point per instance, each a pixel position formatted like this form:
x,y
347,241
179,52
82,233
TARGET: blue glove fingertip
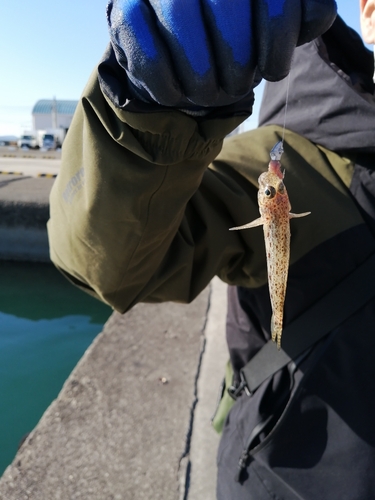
x,y
233,20
186,31
130,14
275,8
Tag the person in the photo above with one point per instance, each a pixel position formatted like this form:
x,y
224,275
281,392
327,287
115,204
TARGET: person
x,y
148,190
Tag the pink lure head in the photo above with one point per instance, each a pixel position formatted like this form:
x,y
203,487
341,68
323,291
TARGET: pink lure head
x,y
274,166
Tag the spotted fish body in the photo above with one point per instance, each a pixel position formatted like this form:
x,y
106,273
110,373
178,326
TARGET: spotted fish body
x,y
274,208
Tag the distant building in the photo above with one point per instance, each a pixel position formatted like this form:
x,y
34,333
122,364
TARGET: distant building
x,y
53,113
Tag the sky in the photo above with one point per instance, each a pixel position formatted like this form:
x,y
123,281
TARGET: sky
x,y
48,49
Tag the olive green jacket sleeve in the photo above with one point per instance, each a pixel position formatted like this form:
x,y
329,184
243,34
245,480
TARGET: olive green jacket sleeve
x,y
142,206
118,225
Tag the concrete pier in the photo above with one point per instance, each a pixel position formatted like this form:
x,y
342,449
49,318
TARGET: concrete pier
x,y
133,419
24,211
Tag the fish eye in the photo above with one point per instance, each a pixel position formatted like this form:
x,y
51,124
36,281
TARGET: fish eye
x,y
270,191
281,188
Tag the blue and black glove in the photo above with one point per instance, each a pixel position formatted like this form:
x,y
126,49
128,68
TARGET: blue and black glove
x,y
204,53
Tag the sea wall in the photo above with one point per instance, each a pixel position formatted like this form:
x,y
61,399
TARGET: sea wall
x,y
24,211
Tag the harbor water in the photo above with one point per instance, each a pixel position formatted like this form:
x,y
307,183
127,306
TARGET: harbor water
x,y
46,324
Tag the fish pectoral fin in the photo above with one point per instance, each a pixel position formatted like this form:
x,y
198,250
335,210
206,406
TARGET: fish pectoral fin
x,y
295,216
254,223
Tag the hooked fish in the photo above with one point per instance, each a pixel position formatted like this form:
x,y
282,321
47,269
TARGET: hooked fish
x,y
274,209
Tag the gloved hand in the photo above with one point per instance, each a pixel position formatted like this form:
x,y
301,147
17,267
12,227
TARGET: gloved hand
x,y
200,53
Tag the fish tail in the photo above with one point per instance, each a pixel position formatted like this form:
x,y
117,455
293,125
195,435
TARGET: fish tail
x,y
276,332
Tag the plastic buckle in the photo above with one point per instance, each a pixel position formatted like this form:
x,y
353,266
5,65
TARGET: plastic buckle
x,y
236,391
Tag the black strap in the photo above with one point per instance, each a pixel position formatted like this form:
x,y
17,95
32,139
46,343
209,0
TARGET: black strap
x,y
329,312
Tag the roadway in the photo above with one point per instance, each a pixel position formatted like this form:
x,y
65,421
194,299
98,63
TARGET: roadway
x,y
33,167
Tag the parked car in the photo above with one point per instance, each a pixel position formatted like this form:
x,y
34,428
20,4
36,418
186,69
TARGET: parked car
x,y
49,142
28,141
53,139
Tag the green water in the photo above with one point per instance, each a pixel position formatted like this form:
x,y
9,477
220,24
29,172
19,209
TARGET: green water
x,y
46,324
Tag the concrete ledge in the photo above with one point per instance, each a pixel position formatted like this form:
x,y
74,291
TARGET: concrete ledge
x,y
123,423
24,212
24,244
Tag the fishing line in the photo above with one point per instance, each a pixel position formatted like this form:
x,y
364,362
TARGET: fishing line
x,y
286,105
